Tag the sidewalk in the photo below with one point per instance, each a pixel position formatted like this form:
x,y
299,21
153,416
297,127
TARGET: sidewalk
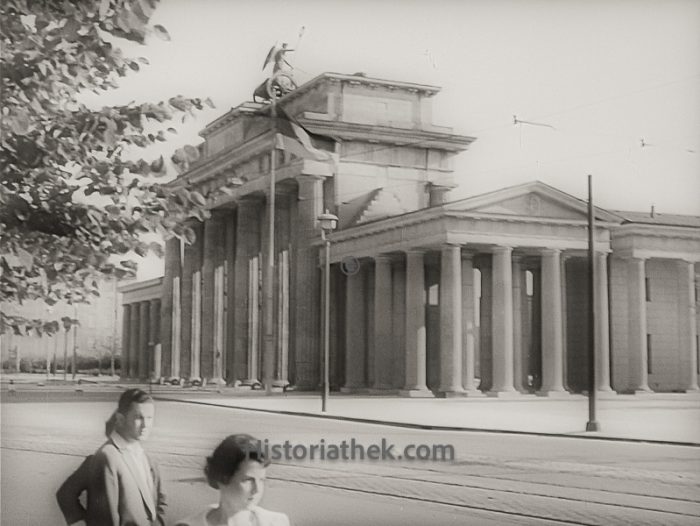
x,y
659,417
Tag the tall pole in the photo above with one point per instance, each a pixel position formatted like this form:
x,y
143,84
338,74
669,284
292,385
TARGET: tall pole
x,y
75,341
113,350
269,337
55,350
592,424
47,350
326,322
65,352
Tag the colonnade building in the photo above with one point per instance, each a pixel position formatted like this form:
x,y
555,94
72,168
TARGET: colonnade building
x,y
429,297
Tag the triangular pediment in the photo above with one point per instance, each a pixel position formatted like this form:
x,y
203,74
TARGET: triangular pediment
x,y
534,199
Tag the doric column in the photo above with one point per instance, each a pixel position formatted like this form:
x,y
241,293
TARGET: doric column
x,y
230,303
176,335
195,255
172,269
382,322
398,324
144,350
687,326
485,341
212,239
451,321
196,342
246,248
283,229
468,325
552,339
282,345
502,322
415,326
191,318
518,293
637,309
126,340
154,340
355,332
307,318
134,333
602,324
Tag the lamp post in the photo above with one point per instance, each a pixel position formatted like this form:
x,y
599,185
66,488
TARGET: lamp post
x,y
592,424
328,223
269,273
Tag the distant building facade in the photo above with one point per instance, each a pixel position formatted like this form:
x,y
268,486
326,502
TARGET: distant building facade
x,y
97,333
428,297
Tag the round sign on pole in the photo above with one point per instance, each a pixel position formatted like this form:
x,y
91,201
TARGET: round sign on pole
x,y
350,265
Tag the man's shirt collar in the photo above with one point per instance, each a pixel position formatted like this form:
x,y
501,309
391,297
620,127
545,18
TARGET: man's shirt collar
x,y
121,442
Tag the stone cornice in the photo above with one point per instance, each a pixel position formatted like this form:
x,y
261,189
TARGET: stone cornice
x,y
246,108
384,134
509,218
659,231
130,287
225,159
429,214
362,80
141,291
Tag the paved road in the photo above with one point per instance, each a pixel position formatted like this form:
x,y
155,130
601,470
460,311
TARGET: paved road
x,y
494,479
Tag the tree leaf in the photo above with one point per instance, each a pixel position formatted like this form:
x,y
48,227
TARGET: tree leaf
x,y
190,235
161,32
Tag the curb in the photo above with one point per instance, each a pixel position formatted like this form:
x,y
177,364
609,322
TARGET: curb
x,y
407,425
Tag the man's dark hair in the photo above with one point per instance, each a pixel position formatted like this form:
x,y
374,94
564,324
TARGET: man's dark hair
x,y
228,457
132,396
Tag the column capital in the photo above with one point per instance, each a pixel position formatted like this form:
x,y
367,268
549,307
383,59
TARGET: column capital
x,y
414,252
249,200
501,249
219,214
308,178
551,252
383,258
686,261
468,254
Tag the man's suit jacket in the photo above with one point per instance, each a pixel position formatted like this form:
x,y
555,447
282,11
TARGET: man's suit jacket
x,y
116,495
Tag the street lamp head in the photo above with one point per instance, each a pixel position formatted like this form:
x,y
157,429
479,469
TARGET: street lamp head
x,y
328,222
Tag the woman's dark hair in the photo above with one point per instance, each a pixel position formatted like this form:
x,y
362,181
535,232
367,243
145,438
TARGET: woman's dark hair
x,y
228,457
132,396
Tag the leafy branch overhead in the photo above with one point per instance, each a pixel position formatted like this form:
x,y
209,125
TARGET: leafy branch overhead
x,y
75,196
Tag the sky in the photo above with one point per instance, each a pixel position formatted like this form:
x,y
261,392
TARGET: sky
x,y
608,88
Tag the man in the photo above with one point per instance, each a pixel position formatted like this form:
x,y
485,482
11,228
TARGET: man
x,y
123,485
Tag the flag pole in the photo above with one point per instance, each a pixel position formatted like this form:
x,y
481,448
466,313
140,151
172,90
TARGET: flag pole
x,y
269,338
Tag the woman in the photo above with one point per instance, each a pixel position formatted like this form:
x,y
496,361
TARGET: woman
x,y
237,469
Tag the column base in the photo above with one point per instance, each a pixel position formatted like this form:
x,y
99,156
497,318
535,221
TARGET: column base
x,y
606,393
220,382
554,394
504,394
474,393
416,393
280,383
451,393
692,390
643,390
